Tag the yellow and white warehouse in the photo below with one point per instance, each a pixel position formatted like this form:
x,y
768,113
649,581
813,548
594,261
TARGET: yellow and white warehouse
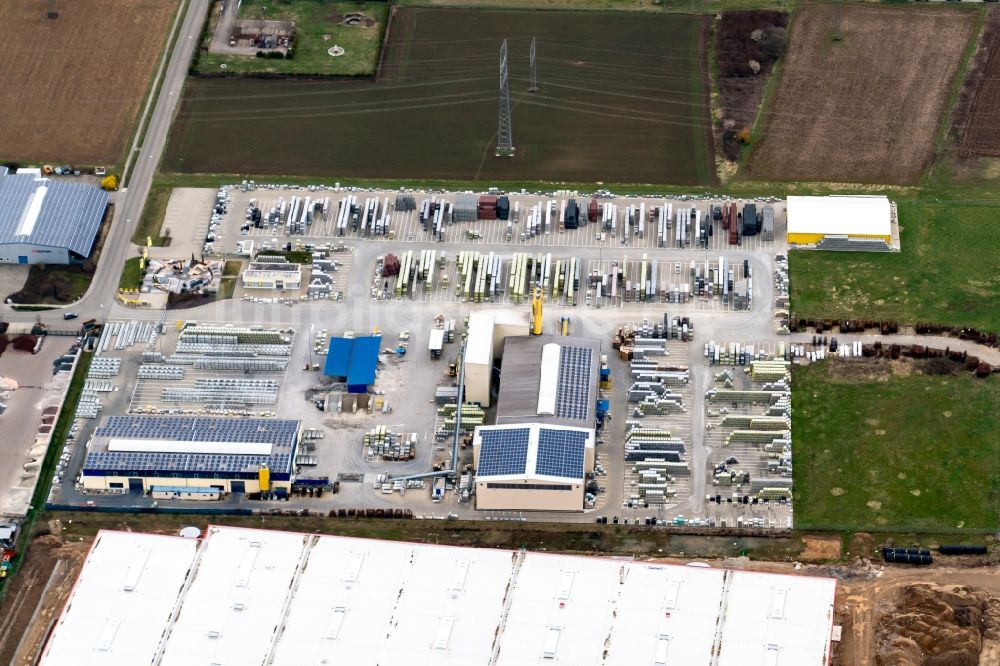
x,y
812,221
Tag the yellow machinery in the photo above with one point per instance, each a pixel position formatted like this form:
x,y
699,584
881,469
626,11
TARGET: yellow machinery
x,y
536,312
564,323
264,477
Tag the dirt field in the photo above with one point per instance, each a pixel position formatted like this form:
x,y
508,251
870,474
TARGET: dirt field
x,y
622,98
866,108
72,87
37,597
888,602
979,130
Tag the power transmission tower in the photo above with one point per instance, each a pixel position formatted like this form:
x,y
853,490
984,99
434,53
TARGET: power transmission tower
x,y
505,144
52,13
838,18
533,86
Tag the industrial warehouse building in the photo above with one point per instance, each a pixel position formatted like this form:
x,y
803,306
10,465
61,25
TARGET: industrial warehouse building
x,y
354,361
531,467
538,454
275,273
163,454
841,222
45,221
244,596
486,333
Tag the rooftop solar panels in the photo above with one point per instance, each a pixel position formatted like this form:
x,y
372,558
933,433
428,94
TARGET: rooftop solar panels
x,y
560,452
573,392
504,451
280,433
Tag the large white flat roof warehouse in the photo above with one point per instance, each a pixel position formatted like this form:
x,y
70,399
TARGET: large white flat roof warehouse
x,y
264,597
839,215
122,602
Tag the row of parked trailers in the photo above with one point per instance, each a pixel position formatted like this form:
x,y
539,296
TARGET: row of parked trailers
x,y
368,219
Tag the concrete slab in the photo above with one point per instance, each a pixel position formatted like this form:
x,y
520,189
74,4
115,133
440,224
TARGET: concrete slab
x,y
188,213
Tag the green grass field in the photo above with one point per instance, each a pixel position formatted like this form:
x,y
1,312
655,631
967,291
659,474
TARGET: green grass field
x,y
131,277
885,447
623,98
948,271
319,28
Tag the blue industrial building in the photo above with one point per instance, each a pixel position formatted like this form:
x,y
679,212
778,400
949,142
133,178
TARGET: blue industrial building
x,y
47,221
354,361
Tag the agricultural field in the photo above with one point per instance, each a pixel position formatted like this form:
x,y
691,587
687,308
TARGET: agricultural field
x,y
979,135
73,86
900,445
865,108
948,271
623,98
320,26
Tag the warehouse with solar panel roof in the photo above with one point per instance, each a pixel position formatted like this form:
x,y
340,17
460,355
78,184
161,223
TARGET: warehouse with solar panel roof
x,y
539,453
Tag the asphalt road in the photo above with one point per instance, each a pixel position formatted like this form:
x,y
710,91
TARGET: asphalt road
x,y
129,202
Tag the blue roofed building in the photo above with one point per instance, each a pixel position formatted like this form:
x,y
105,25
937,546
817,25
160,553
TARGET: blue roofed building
x,y
353,361
532,466
227,454
48,221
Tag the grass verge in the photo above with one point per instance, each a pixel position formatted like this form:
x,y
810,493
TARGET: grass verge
x,y
131,274
153,212
948,271
886,446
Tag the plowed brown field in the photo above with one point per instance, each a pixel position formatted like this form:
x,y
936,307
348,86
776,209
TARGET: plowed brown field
x,y
865,108
71,87
982,131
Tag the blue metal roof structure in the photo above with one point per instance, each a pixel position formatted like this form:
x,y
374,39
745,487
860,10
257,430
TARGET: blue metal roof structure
x,y
560,452
503,451
355,360
282,434
68,216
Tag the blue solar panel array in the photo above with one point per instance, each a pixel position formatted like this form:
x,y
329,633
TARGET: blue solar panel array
x,y
561,452
503,451
573,390
280,433
69,217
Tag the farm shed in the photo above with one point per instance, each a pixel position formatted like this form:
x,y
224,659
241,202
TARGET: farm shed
x,y
46,221
344,600
841,222
354,361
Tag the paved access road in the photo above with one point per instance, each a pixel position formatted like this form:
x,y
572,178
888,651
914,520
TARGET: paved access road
x,y
130,201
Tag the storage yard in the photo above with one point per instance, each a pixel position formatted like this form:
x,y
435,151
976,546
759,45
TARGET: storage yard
x,y
866,108
622,98
61,101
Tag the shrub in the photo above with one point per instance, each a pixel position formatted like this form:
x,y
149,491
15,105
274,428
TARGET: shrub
x,y
109,182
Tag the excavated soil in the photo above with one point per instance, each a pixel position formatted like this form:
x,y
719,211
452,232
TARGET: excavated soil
x,y
939,625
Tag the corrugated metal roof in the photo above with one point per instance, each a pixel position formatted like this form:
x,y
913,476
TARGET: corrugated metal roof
x,y
69,217
353,358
